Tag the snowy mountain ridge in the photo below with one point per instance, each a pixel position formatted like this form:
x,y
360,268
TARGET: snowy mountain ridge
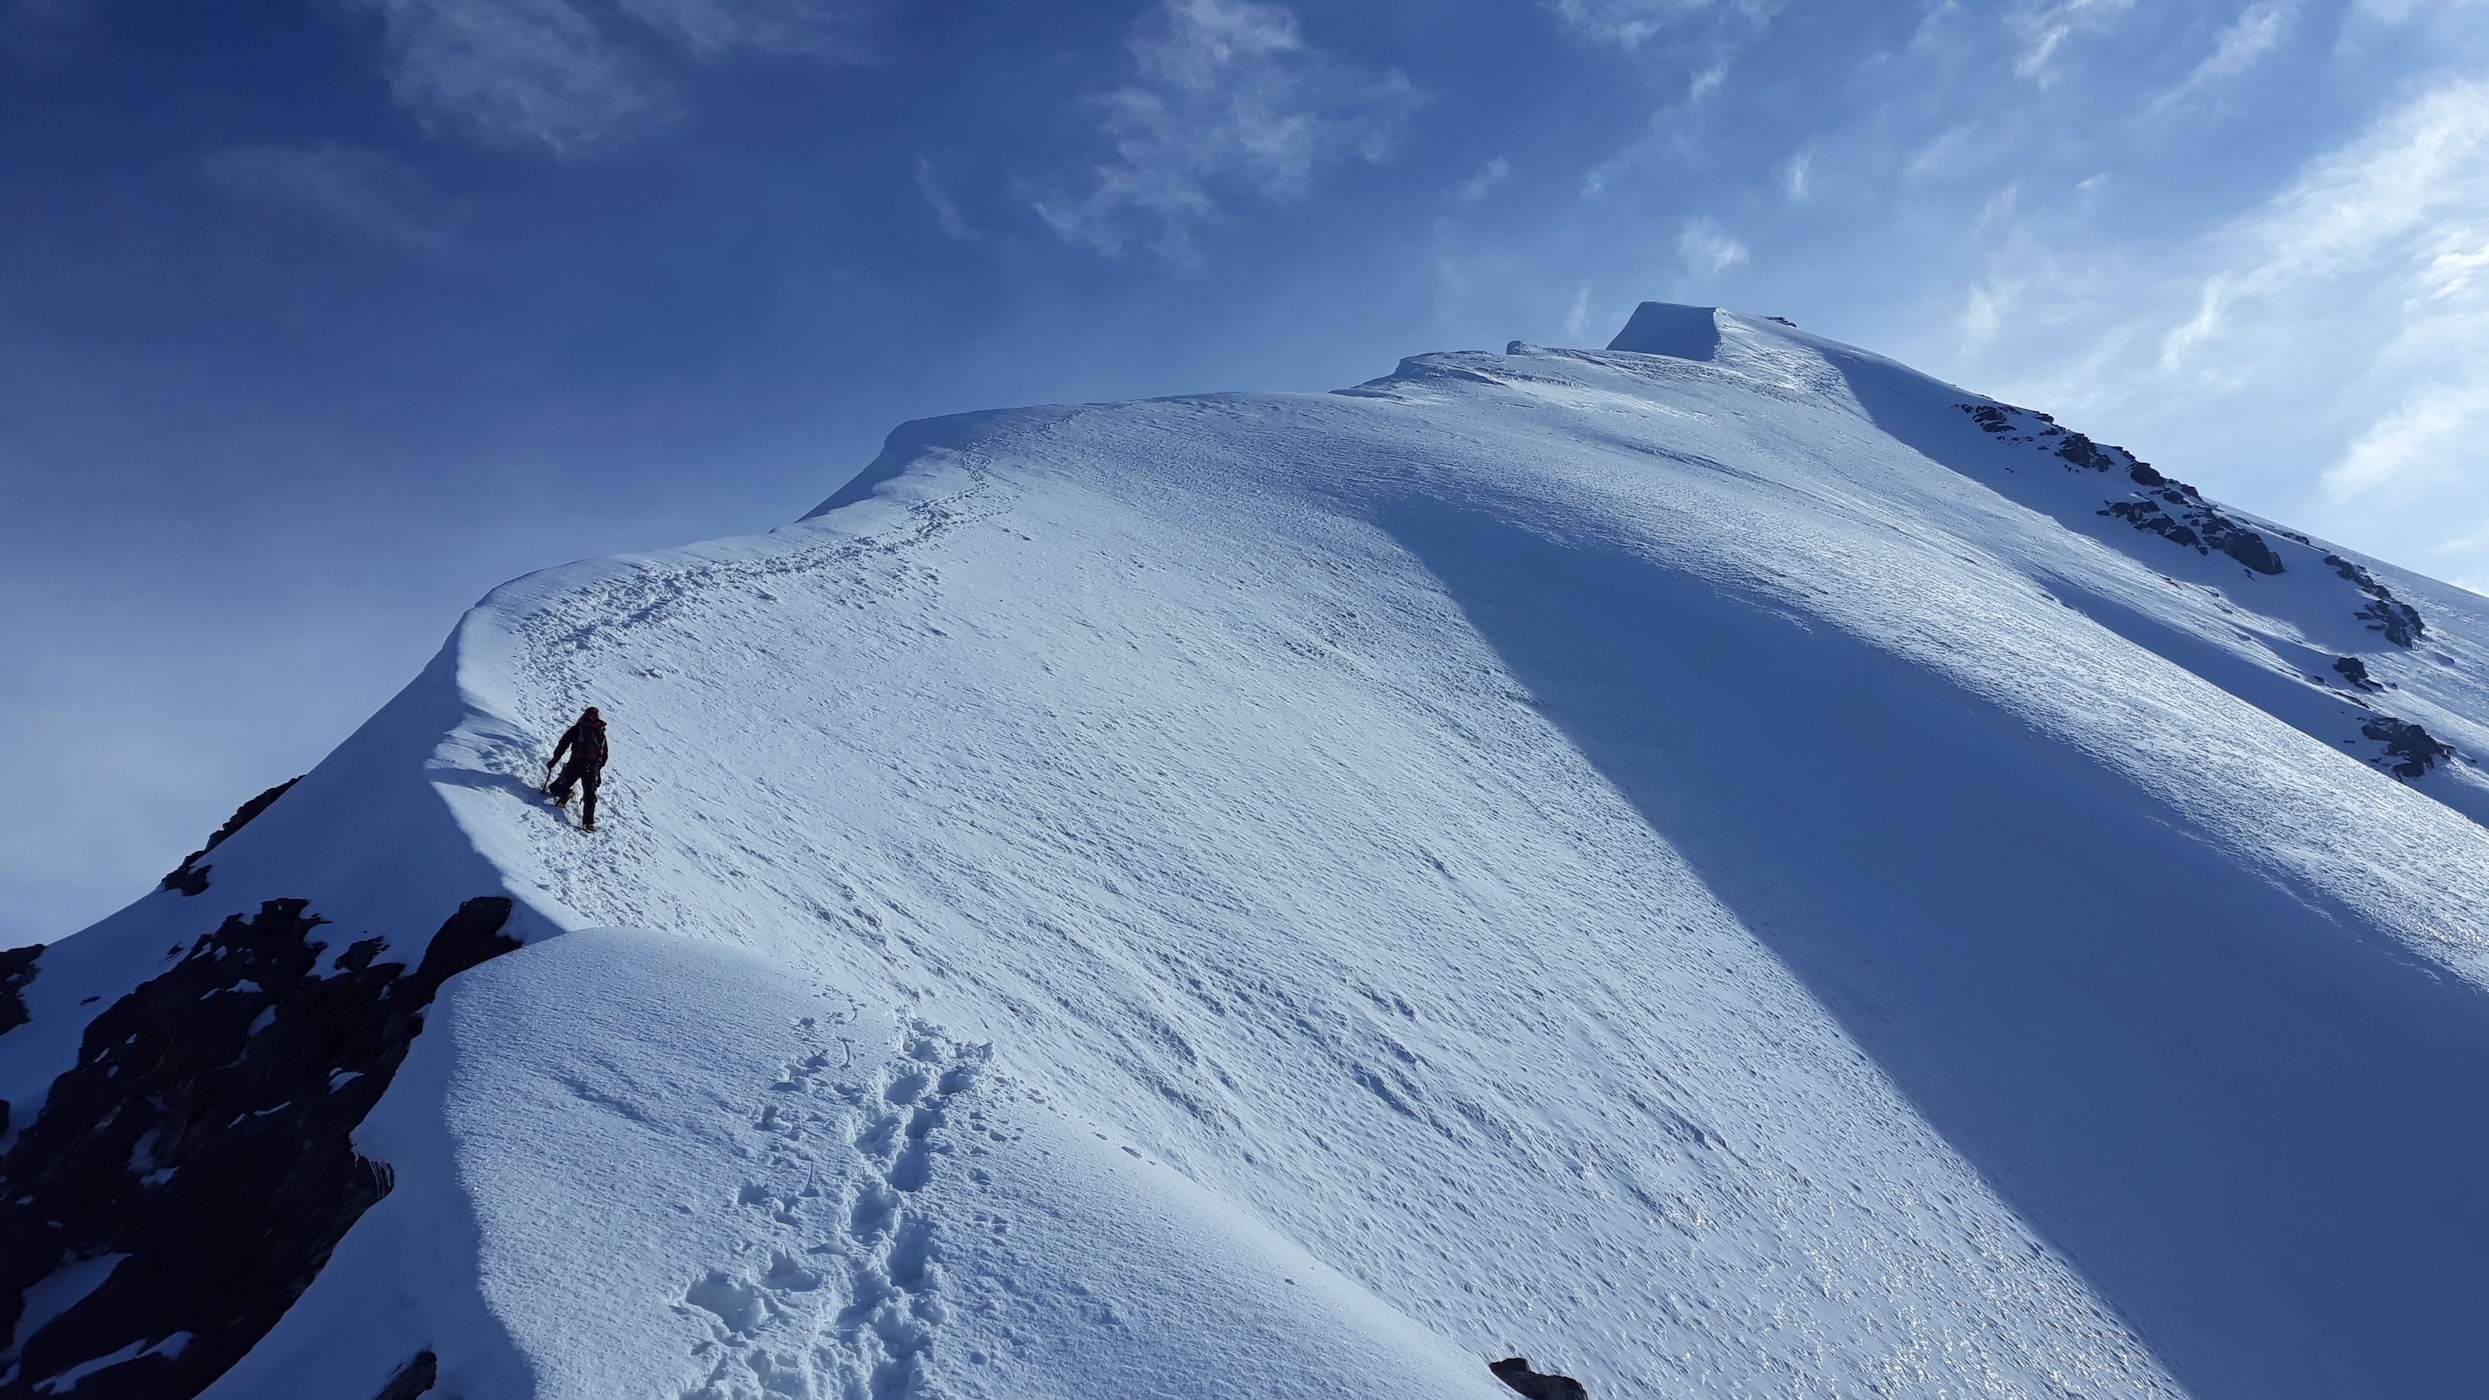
x,y
1722,865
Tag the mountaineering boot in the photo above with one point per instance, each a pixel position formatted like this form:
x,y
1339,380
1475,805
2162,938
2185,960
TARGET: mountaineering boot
x,y
587,826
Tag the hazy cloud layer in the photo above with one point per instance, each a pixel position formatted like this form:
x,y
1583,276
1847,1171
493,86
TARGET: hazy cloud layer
x,y
371,192
1227,96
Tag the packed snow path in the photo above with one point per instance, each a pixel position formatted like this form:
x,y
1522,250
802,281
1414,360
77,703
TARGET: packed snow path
x,y
1712,864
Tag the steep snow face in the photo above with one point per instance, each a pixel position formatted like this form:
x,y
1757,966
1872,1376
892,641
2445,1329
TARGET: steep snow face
x,y
1721,865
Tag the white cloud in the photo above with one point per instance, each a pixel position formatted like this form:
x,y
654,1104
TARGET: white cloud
x,y
369,191
2044,28
1229,94
1629,24
568,75
2001,209
1489,175
2258,30
2368,266
2425,441
708,27
2412,190
2402,11
519,70
1941,155
1707,248
945,209
1795,177
1991,302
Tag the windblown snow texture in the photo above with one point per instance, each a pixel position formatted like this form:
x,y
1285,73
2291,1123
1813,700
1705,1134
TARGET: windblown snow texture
x,y
1719,866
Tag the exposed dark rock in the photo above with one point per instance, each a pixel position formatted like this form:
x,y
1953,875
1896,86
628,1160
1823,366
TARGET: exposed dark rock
x,y
1783,320
205,1134
17,968
2355,671
2249,548
2084,453
2204,528
2399,621
2190,520
2148,515
412,1379
2416,747
190,877
1515,1371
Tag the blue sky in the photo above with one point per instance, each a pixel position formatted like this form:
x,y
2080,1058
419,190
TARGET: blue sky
x,y
320,317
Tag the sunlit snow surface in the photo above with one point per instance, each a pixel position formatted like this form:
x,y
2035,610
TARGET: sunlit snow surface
x,y
1717,875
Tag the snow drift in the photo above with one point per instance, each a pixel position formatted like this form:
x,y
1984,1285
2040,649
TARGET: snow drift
x,y
1722,865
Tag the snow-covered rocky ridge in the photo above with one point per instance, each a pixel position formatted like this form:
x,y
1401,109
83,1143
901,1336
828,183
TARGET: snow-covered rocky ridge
x,y
1723,865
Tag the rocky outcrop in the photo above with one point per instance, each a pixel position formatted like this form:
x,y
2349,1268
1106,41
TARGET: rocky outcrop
x,y
17,968
1515,1372
2179,513
2165,507
2189,520
190,877
188,1177
2409,750
2354,673
2398,620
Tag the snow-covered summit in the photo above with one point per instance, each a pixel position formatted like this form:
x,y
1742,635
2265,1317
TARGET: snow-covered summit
x,y
1721,865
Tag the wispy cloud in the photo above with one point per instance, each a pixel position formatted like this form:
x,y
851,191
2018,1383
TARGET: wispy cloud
x,y
567,75
2426,439
1797,175
1629,24
2373,257
1228,95
2045,28
1707,248
1941,155
2414,188
1990,303
369,191
945,209
2258,30
707,27
1489,175
520,70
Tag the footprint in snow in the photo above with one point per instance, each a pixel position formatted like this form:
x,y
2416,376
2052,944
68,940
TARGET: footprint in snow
x,y
850,1299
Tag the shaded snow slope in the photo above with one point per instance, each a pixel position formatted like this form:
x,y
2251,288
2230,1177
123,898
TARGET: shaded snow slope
x,y
1710,864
